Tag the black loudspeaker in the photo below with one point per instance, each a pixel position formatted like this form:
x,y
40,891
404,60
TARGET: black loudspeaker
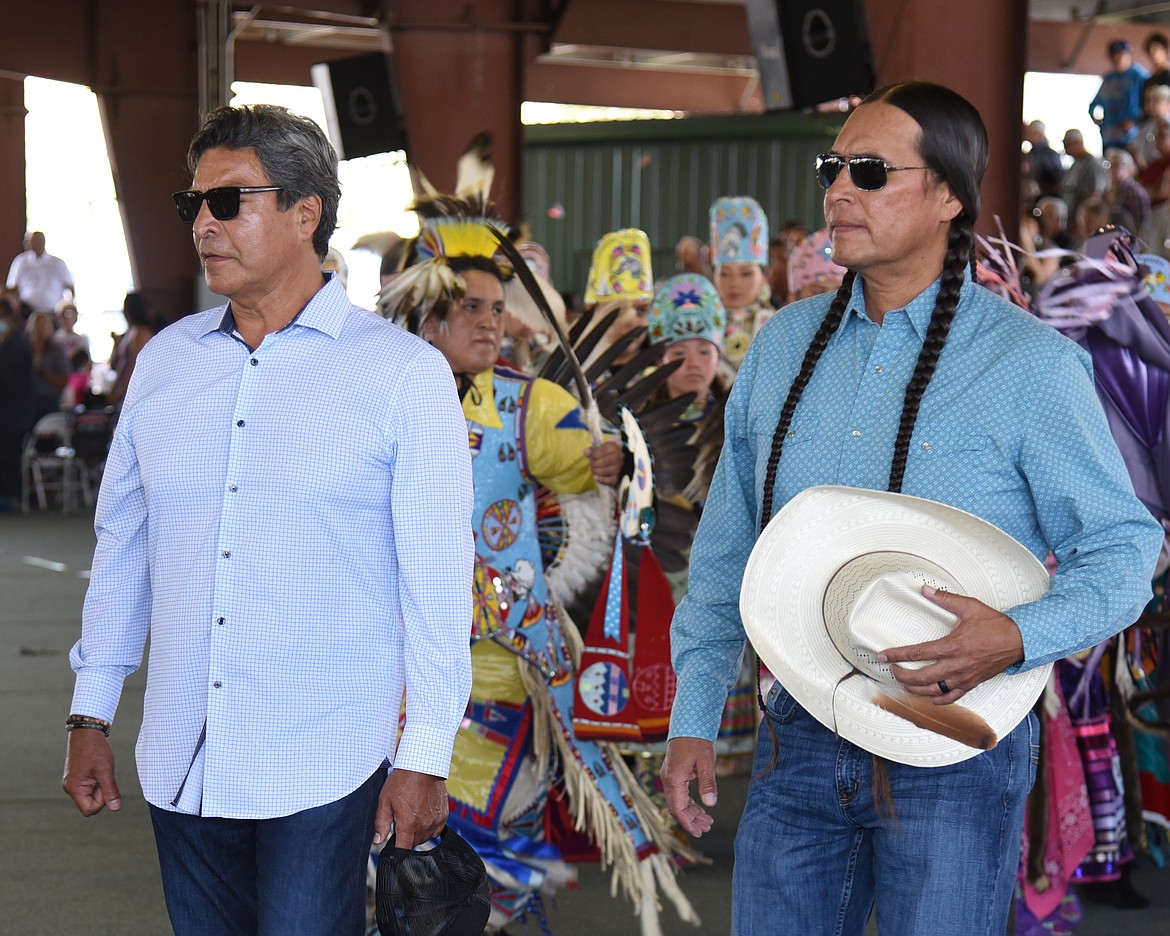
x,y
361,105
810,51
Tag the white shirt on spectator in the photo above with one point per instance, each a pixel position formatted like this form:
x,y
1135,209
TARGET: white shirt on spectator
x,y
41,281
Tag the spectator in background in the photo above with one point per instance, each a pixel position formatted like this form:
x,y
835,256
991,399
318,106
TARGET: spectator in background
x,y
1128,200
41,279
1157,48
1157,104
66,335
50,365
77,389
1119,98
17,401
1156,231
126,348
1052,222
1151,175
1092,215
1042,163
780,248
690,256
1086,176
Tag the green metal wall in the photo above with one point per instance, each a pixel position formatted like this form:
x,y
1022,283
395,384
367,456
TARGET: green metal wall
x,y
662,176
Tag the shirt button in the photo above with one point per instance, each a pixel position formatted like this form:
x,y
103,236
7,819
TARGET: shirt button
x,y
254,362
219,620
232,488
857,433
217,684
926,445
227,553
877,368
792,434
240,423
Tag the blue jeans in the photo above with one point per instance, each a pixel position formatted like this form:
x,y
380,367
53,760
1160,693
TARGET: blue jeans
x,y
299,875
813,855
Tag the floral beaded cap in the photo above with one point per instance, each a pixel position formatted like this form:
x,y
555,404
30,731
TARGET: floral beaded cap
x,y
687,306
621,268
811,263
739,231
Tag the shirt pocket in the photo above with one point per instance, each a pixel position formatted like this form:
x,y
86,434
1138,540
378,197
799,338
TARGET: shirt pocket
x,y
801,431
934,440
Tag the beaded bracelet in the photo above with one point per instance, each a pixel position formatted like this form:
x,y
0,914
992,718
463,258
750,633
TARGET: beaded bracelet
x,y
85,721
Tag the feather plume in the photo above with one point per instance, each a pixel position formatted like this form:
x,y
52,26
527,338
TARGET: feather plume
x,y
378,242
951,721
474,171
528,278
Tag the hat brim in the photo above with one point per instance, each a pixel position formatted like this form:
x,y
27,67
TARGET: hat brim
x,y
795,559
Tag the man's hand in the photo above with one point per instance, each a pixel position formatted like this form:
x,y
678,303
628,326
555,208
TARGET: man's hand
x,y
415,804
983,644
89,772
690,759
605,461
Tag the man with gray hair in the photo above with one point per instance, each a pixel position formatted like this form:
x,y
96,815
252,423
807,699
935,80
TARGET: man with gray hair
x,y
286,512
1086,176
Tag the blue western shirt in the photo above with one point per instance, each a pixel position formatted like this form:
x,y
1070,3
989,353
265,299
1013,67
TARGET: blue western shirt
x,y
291,526
1009,429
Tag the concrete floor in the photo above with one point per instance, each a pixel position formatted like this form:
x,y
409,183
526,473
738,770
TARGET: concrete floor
x,y
61,873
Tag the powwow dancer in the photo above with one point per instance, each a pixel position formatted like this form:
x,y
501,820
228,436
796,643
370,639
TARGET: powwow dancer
x,y
517,752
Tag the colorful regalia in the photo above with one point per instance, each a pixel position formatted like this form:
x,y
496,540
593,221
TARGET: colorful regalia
x,y
1105,719
525,790
739,235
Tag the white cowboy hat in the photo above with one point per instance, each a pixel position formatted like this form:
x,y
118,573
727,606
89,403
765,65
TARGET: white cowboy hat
x,y
836,578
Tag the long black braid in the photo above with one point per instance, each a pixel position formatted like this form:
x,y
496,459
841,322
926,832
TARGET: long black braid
x,y
824,332
959,246
960,243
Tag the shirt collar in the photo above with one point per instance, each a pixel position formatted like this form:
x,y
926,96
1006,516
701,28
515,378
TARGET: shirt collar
x,y
325,312
918,310
484,411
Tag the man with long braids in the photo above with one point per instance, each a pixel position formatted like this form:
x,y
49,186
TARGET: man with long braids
x,y
911,378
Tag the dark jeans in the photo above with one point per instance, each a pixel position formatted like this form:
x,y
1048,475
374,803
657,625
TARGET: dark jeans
x,y
299,875
813,851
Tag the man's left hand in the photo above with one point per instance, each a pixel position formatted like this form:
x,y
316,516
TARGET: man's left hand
x,y
415,804
605,461
983,644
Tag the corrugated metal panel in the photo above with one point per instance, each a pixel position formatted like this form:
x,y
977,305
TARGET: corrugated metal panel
x,y
662,176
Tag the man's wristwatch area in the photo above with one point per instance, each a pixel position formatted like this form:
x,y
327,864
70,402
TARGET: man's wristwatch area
x,y
74,722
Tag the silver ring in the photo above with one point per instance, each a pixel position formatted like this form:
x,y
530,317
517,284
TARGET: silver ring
x,y
942,684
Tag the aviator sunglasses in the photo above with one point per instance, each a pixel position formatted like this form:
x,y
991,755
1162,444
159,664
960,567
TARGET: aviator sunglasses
x,y
223,203
868,173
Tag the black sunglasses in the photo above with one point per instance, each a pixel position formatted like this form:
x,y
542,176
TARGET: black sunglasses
x,y
223,203
868,173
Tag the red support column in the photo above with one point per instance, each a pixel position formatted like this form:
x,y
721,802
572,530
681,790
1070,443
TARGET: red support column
x,y
460,69
979,50
13,213
147,95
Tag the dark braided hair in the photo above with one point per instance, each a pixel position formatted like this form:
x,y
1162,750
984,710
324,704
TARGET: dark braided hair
x,y
827,327
953,145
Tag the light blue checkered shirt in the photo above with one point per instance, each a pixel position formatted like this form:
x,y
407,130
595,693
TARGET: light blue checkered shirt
x,y
1009,429
292,528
